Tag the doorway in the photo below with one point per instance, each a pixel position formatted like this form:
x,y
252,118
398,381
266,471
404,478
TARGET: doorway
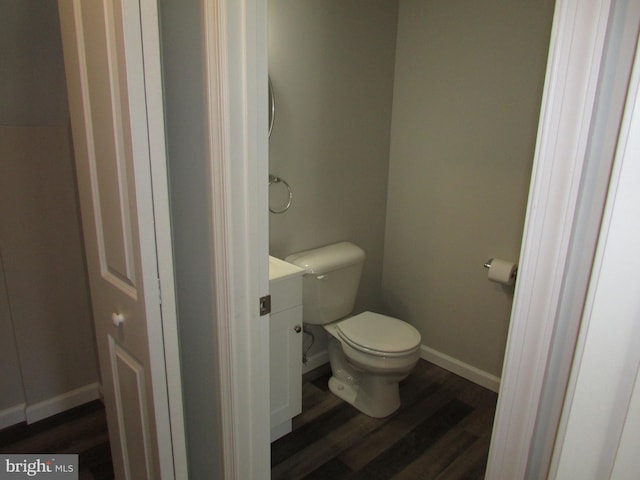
x,y
411,131
46,324
238,32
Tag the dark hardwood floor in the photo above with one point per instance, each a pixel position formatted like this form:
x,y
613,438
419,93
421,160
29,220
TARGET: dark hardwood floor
x,y
81,430
442,431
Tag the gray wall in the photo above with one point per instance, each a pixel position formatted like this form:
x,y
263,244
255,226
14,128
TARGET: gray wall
x,y
430,189
468,87
181,38
32,83
10,376
46,329
332,72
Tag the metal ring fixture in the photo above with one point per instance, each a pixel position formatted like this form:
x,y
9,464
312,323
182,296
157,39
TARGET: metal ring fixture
x,y
285,206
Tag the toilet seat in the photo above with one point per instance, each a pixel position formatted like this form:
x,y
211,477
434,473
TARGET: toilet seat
x,y
378,335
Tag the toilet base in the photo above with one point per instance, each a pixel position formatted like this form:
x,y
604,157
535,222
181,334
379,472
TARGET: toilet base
x,y
376,398
373,394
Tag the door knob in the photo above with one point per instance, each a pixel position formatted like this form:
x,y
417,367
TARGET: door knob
x,y
297,329
117,319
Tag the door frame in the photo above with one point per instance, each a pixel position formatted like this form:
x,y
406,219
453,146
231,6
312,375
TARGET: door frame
x,y
236,71
571,84
151,56
606,375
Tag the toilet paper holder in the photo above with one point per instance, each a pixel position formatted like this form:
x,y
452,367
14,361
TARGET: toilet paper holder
x,y
488,263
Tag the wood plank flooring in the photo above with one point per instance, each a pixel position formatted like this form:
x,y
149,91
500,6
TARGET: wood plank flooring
x,y
81,430
442,431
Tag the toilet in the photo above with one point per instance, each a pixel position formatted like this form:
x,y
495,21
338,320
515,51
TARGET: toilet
x,y
369,353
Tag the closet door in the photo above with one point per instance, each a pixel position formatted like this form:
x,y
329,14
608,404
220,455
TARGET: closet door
x,y
111,100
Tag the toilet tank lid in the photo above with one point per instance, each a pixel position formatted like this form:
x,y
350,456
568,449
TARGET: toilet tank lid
x,y
326,259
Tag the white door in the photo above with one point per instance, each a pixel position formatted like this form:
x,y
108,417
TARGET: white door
x,y
114,115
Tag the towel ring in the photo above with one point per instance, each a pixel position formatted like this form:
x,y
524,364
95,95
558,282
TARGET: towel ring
x,y
285,206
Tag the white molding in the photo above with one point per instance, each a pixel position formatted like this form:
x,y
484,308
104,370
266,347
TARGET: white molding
x,y
60,403
236,82
575,56
573,67
12,415
175,455
608,351
453,365
218,133
52,406
618,55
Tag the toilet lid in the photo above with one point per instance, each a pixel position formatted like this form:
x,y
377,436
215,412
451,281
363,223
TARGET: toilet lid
x,y
373,332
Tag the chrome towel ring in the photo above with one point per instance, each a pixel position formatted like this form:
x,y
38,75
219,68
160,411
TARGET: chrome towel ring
x,y
285,206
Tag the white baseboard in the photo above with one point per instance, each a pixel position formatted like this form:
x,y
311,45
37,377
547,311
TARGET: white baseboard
x,y
458,367
12,415
443,360
63,402
316,360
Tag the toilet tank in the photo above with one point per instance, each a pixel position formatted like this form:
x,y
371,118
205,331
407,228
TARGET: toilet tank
x,y
331,280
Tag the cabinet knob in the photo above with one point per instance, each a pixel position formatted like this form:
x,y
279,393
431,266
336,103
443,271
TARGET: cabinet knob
x,y
297,328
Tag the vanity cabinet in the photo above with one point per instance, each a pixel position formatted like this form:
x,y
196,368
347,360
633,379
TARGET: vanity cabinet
x,y
285,343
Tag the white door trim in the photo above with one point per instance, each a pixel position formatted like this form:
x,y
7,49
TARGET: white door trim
x,y
149,19
608,353
217,129
236,82
236,58
573,70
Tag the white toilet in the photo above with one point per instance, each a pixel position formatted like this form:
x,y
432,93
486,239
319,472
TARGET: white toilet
x,y
369,353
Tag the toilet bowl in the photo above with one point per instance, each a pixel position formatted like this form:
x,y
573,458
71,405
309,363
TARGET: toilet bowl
x,y
369,353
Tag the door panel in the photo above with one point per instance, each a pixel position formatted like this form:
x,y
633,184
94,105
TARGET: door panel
x,y
285,349
131,406
110,175
102,42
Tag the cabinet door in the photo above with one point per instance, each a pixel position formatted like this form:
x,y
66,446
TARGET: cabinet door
x,y
286,365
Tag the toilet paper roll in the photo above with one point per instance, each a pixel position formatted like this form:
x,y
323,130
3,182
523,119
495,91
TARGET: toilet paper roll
x,y
502,271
